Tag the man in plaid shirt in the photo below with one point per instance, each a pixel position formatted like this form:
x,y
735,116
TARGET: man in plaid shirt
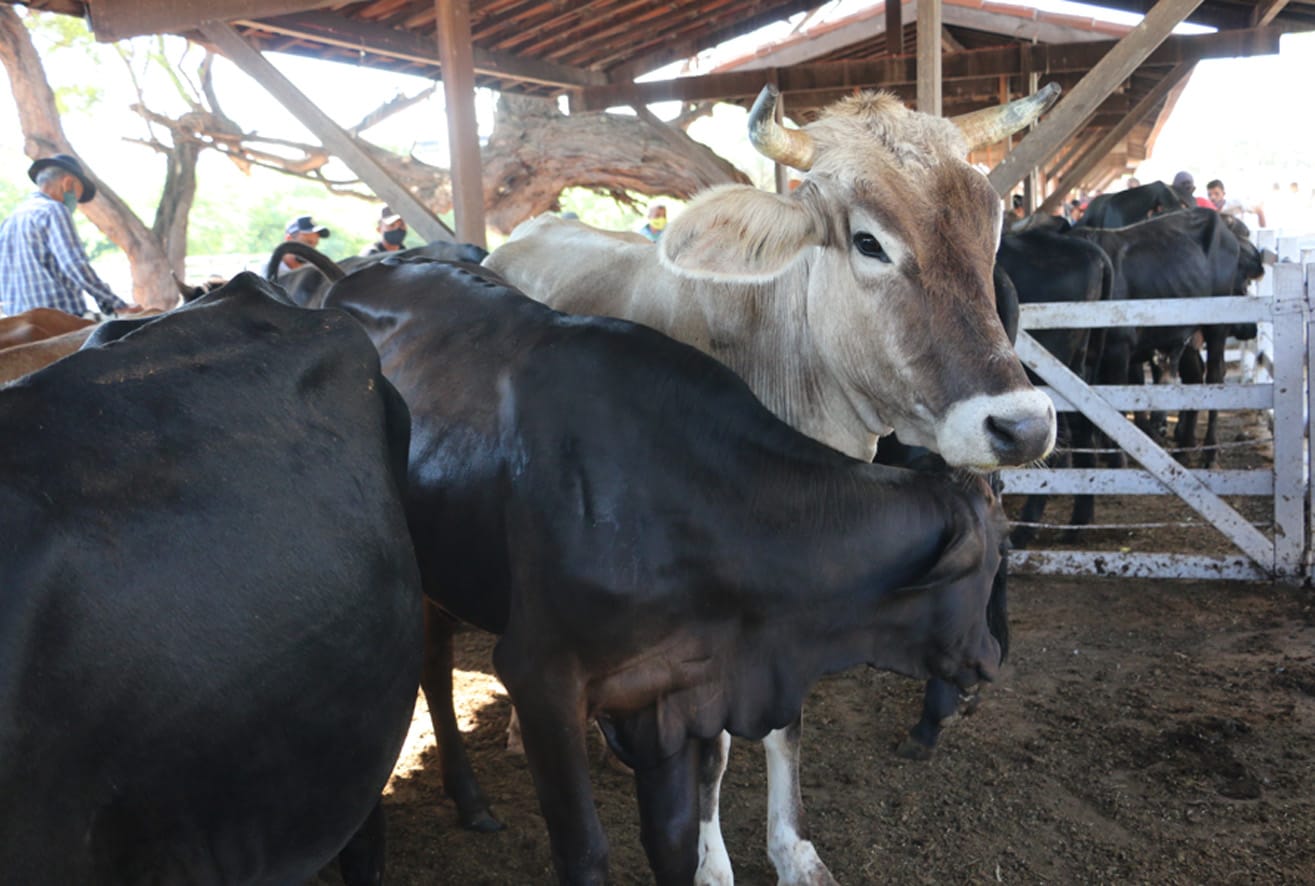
x,y
42,262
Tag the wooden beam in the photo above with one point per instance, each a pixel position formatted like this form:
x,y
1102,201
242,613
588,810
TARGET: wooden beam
x,y
1093,155
338,30
119,19
677,50
929,57
866,25
1075,107
417,215
902,70
894,28
1266,11
452,22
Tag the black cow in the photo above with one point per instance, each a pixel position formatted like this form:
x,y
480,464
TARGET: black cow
x,y
306,286
653,546
1130,206
1046,265
942,701
1250,266
1187,254
210,618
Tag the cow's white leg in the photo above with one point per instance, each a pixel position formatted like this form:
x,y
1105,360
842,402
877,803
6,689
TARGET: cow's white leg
x,y
714,861
796,861
515,745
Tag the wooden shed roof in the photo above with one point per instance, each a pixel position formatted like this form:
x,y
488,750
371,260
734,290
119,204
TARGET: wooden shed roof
x,y
593,49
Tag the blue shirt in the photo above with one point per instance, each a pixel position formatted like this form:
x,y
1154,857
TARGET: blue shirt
x,y
43,264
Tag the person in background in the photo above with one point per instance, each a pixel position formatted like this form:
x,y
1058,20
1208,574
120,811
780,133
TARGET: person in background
x,y
303,230
392,233
1017,211
42,261
1133,183
1226,205
1185,185
657,220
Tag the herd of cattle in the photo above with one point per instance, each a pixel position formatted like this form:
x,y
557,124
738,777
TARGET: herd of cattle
x,y
237,535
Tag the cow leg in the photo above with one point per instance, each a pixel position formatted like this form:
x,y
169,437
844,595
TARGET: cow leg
x,y
714,860
1082,438
361,861
552,721
1034,508
1191,371
940,702
796,861
436,679
668,795
1216,339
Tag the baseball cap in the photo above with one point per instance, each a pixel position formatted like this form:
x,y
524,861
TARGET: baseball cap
x,y
388,217
302,224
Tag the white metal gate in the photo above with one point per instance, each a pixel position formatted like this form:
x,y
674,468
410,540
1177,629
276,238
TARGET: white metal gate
x,y
1285,553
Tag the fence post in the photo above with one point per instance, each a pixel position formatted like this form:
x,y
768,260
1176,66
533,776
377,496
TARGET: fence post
x,y
1305,438
1290,491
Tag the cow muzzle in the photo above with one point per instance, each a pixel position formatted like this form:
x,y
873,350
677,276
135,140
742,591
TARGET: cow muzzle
x,y
1002,430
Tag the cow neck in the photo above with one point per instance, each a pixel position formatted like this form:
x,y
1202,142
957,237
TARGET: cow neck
x,y
765,338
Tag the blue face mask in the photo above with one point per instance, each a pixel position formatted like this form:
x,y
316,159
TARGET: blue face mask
x,y
71,200
395,238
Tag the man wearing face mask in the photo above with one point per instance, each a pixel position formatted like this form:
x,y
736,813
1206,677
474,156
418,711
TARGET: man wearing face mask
x,y
656,222
42,262
392,233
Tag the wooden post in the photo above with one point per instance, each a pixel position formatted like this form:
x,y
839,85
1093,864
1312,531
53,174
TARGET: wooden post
x,y
1093,155
455,54
1099,82
245,56
929,56
1290,320
894,28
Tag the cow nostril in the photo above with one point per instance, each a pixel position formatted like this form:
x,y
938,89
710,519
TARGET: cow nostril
x,y
1018,440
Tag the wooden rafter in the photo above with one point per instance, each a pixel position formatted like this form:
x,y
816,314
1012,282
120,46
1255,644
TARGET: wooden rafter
x,y
897,70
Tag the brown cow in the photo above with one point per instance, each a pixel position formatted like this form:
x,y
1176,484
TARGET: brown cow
x,y
36,324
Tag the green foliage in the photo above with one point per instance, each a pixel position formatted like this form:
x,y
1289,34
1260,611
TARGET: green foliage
x,y
603,211
61,37
10,196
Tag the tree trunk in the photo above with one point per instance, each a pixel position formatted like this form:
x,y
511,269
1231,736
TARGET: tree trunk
x,y
536,151
176,199
44,135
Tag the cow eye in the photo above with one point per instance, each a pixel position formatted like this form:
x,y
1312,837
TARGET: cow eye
x,y
869,246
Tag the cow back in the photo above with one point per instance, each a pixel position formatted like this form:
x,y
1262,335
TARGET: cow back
x,y
592,488
207,585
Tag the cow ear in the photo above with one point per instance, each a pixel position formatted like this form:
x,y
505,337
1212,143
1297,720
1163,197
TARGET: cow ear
x,y
737,232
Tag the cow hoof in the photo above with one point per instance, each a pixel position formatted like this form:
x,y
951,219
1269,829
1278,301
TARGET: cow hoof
x,y
913,750
970,705
481,822
800,866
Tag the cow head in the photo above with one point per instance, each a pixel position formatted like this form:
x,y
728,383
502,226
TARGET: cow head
x,y
888,244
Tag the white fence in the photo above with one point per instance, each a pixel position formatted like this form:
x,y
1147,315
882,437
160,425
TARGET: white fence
x,y
1284,553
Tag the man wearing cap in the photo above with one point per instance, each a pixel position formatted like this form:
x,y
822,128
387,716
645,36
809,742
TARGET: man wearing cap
x,y
42,262
1185,186
392,233
303,230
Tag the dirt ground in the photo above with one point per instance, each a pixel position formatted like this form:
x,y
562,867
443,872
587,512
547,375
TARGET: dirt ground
x,y
1142,732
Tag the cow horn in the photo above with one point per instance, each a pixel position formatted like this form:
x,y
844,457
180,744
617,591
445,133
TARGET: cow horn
x,y
789,147
989,125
